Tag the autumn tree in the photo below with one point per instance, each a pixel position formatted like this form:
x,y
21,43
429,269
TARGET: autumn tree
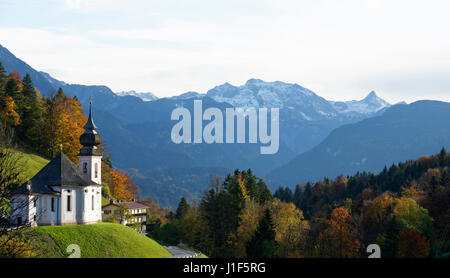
x,y
8,113
290,228
412,245
412,216
338,239
63,125
121,186
249,219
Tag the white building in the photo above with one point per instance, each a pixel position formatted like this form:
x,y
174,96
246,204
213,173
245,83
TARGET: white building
x,y
62,193
127,213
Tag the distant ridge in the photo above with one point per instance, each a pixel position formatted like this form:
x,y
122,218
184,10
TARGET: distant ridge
x,y
403,132
136,129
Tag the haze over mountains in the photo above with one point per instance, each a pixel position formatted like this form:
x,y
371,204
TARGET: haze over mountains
x,y
403,132
136,129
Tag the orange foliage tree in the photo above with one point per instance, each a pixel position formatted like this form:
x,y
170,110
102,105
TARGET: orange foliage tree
x,y
121,186
412,245
337,239
64,121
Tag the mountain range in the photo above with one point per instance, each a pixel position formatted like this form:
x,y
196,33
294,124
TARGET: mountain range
x,y
402,132
136,128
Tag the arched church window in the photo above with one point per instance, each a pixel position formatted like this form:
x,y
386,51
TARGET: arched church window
x,y
96,170
85,167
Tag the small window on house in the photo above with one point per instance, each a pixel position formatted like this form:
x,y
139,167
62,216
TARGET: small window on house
x,y
92,201
69,207
53,204
96,170
85,167
34,202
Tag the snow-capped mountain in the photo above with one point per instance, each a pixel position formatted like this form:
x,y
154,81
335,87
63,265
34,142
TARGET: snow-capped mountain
x,y
187,95
301,101
144,96
370,104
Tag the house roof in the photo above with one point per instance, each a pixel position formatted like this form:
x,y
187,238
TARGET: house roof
x,y
129,205
59,171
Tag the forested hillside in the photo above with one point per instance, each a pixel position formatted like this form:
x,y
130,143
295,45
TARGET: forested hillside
x,y
401,133
405,209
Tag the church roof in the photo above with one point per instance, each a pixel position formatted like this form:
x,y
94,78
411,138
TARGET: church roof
x,y
59,171
90,139
90,125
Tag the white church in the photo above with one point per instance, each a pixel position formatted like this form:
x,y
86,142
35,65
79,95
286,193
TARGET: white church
x,y
62,193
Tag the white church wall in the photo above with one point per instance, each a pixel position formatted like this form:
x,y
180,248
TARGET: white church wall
x,y
21,209
68,213
48,212
93,204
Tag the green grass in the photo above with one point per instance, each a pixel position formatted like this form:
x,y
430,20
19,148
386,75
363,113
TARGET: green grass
x,y
32,164
104,240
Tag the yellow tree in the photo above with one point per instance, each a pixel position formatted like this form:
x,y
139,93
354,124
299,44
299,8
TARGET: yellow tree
x,y
249,219
8,113
63,125
290,228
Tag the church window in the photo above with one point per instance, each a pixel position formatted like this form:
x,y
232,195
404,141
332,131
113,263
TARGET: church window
x,y
34,202
53,204
69,207
96,170
92,201
85,167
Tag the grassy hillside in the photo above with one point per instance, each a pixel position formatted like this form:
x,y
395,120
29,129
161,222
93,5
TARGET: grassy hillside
x,y
104,240
33,163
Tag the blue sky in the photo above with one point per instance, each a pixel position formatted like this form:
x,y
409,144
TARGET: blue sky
x,y
341,49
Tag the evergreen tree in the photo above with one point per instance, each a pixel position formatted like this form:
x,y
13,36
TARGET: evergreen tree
x,y
182,209
263,244
2,76
250,184
219,219
30,129
445,179
442,157
388,242
263,193
298,195
306,199
12,89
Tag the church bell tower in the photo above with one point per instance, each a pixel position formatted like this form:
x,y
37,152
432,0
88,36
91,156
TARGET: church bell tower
x,y
90,156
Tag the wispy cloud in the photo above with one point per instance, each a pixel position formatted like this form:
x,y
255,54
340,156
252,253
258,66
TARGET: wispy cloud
x,y
340,49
